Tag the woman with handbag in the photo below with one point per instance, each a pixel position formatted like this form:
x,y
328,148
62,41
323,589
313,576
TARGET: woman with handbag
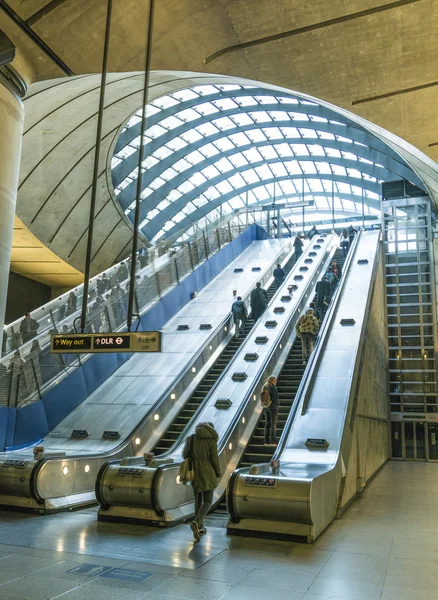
x,y
201,449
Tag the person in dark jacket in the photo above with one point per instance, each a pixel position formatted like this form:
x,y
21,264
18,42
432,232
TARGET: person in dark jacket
x,y
271,413
312,232
323,294
333,280
298,245
102,286
351,233
4,340
240,315
143,257
279,275
71,304
345,242
122,273
336,269
315,310
202,449
259,301
28,328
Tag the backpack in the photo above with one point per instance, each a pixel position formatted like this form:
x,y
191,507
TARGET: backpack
x,y
265,397
186,473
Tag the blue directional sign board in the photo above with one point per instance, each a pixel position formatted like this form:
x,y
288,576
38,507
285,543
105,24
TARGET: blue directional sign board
x,y
91,570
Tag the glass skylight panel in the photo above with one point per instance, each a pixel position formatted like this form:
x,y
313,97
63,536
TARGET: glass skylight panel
x,y
209,150
293,167
242,119
224,144
261,193
354,173
236,203
157,183
264,172
273,133
365,160
286,100
135,142
207,108
323,168
298,116
165,102
211,193
145,193
283,150
224,123
318,119
308,133
171,122
246,100
279,115
340,138
229,87
349,156
169,174
155,131
356,190
266,99
133,174
239,139
188,115
192,136
268,152
125,152
337,123
250,176
326,135
343,188
338,170
179,217
261,117
372,195
224,187
152,214
308,102
327,185
163,204
115,161
300,149
124,183
237,181
176,144
200,201
238,160
210,172
287,187
207,129
181,165
337,203
225,104
315,150
256,135
290,132
197,179
186,187
367,177
185,95
332,152
224,165
160,154
133,121
278,169
205,90
308,167
315,185
253,155
194,157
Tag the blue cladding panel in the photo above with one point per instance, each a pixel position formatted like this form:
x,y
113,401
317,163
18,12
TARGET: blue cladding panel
x,y
34,421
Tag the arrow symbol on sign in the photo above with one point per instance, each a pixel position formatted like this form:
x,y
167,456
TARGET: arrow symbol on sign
x,y
57,342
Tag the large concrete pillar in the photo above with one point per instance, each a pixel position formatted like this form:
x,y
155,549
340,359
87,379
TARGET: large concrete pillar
x,y
11,132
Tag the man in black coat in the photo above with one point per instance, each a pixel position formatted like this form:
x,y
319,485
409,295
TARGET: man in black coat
x,y
323,291
259,301
28,328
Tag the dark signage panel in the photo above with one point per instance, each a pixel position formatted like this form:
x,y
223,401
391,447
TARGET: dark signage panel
x,y
71,343
112,342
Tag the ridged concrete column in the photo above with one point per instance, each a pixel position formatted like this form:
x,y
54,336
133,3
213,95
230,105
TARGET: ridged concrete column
x,y
11,132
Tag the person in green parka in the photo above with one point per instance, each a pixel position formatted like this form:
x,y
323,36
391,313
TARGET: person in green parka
x,y
201,447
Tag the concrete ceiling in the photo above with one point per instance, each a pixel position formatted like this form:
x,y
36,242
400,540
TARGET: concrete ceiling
x,y
376,58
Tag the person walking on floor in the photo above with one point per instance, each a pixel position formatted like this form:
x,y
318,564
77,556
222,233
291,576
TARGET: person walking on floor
x,y
240,315
201,447
307,328
279,275
259,301
270,403
298,245
345,242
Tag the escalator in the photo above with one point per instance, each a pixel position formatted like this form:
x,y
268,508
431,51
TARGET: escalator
x,y
194,402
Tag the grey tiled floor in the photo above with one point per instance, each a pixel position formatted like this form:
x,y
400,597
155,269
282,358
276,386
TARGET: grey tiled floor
x,y
384,548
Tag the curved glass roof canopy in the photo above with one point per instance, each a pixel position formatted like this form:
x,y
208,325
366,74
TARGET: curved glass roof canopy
x,y
214,149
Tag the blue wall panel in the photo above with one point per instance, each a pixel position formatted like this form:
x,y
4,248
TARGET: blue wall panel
x,y
24,425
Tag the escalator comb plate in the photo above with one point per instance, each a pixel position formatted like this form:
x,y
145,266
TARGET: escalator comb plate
x,y
239,376
261,339
251,356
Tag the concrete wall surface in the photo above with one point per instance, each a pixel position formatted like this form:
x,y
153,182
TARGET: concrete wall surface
x,y
371,442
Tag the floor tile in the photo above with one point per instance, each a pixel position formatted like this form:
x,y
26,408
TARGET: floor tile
x,y
346,589
195,589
